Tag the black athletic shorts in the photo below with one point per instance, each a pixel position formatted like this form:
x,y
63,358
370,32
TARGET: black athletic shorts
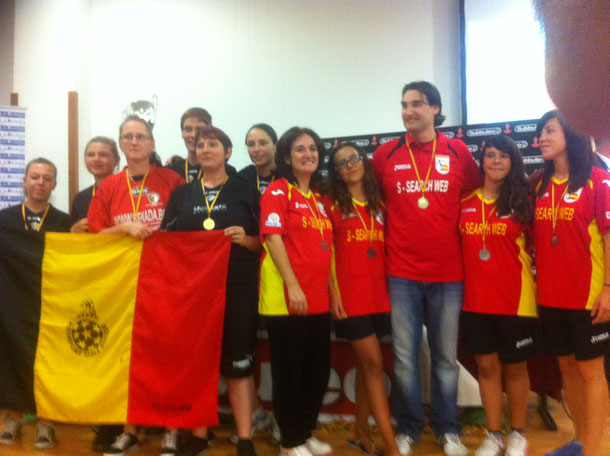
x,y
570,332
239,331
512,337
361,326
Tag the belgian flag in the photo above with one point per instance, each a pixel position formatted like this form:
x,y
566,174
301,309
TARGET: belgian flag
x,y
109,329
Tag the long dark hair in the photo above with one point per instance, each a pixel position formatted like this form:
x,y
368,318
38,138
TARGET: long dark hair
x,y
282,153
338,189
515,196
580,154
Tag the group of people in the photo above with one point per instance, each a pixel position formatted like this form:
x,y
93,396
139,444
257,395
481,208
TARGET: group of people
x,y
419,237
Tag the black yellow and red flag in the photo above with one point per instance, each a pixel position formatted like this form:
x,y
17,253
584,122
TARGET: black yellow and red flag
x,y
110,329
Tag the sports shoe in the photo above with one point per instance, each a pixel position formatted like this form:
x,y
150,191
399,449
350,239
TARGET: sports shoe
x,y
275,436
169,445
261,422
363,445
572,448
300,450
45,436
195,446
245,447
317,447
491,446
104,436
516,444
124,443
452,445
404,443
11,431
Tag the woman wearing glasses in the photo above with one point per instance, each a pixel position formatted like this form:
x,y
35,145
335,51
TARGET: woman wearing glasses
x,y
498,318
360,303
132,202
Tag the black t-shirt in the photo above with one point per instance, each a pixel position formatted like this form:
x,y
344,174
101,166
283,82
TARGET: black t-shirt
x,y
237,205
81,202
260,183
193,170
55,221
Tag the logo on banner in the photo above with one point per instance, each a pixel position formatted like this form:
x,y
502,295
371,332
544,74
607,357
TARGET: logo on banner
x,y
387,138
525,128
449,134
472,147
484,131
507,129
327,145
361,142
441,163
522,144
572,197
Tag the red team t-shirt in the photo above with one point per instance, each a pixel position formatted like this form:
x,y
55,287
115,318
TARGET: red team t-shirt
x,y
424,244
571,274
360,278
286,211
504,284
112,206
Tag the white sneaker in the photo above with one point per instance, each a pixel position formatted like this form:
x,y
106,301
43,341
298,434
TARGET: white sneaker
x,y
318,447
169,446
491,446
404,444
516,444
452,445
45,436
300,450
11,431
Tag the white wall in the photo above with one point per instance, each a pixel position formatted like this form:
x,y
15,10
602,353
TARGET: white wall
x,y
336,66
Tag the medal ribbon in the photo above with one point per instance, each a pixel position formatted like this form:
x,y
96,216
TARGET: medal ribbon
x,y
136,209
44,216
205,197
186,171
368,232
258,182
424,184
93,191
318,219
554,210
484,222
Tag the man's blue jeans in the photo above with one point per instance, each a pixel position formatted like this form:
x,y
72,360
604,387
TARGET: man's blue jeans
x,y
436,305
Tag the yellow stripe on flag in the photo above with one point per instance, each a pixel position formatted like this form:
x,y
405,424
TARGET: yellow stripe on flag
x,y
89,285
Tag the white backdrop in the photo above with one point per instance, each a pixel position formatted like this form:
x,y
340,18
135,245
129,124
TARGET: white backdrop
x,y
336,66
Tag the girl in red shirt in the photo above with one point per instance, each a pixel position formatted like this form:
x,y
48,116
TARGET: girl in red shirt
x,y
360,301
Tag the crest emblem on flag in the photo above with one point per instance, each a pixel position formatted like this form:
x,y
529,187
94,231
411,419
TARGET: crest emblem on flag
x,y
85,335
442,164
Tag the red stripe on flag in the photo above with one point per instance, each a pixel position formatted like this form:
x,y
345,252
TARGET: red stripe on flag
x,y
177,330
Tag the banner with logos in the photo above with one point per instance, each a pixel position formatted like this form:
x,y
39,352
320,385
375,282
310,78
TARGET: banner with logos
x,y
12,155
523,132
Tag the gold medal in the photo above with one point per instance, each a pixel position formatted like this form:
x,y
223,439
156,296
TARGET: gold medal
x,y
209,224
554,210
423,202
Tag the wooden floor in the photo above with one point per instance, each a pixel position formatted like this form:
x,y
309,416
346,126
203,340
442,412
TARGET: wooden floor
x,y
76,440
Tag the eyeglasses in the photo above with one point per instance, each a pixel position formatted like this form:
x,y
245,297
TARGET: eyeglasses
x,y
138,137
351,160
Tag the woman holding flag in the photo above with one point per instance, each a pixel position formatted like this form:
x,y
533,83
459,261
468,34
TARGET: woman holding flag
x,y
35,214
219,201
132,202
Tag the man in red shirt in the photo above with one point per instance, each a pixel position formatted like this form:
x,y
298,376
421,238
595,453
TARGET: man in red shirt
x,y
422,176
